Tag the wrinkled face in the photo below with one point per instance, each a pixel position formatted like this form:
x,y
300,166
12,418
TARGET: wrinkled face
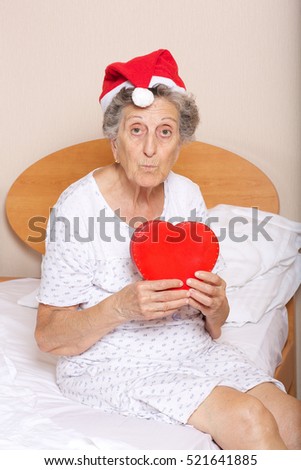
x,y
148,142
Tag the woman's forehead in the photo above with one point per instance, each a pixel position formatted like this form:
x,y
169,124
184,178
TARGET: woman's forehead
x,y
161,109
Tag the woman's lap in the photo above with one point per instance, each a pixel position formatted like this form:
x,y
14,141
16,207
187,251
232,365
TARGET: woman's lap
x,y
169,391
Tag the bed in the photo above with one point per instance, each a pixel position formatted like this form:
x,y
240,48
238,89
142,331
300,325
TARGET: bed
x,y
34,414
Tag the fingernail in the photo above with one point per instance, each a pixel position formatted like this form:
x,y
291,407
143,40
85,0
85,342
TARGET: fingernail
x,y
188,282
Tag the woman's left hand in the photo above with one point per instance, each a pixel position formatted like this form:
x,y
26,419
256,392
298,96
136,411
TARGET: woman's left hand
x,y
208,294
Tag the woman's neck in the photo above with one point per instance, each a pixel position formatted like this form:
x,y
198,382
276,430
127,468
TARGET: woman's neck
x,y
128,199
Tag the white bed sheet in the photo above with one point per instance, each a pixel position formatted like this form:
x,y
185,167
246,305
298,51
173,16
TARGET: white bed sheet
x,y
34,414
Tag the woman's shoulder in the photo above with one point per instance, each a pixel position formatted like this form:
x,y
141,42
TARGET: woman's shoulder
x,y
78,193
184,195
180,181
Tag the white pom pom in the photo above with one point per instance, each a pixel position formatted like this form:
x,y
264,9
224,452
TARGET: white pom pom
x,y
142,97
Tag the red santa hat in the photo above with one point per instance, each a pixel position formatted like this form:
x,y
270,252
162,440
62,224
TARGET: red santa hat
x,y
141,73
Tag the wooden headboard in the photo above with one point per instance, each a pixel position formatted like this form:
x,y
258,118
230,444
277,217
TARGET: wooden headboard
x,y
224,178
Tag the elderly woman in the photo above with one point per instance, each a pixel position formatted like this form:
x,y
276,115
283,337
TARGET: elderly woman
x,y
138,347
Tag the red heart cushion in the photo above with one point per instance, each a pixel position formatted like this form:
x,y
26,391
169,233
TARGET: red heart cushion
x,y
162,250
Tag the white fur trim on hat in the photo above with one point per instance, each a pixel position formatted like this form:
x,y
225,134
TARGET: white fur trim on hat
x,y
142,97
156,80
106,100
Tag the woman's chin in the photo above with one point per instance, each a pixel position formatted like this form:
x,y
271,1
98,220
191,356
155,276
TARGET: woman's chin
x,y
149,179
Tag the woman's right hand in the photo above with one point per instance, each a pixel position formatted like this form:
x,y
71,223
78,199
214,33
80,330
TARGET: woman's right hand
x,y
150,300
68,331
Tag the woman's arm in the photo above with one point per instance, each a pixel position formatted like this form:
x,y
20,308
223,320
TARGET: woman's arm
x,y
208,294
67,331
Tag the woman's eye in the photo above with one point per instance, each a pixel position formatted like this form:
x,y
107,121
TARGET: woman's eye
x,y
165,132
136,130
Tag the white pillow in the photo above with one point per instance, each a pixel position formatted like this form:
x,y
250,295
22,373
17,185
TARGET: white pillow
x,y
264,293
251,253
262,265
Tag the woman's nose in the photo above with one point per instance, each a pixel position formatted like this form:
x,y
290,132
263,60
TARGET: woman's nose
x,y
150,145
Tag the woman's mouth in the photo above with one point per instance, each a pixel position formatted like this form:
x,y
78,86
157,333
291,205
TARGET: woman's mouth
x,y
149,167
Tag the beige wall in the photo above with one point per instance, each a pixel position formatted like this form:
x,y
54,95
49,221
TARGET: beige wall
x,y
241,58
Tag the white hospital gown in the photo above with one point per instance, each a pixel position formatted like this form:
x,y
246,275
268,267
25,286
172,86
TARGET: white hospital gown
x,y
159,369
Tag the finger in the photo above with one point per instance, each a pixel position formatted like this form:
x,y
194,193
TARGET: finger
x,y
163,309
162,314
169,295
194,304
164,284
208,289
199,306
211,278
201,298
173,305
161,305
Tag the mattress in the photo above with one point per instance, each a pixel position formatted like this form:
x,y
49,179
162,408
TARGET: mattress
x,y
34,414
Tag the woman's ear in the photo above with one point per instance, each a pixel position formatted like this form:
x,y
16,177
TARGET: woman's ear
x,y
114,149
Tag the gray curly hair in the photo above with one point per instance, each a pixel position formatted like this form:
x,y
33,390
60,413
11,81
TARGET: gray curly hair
x,y
185,104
